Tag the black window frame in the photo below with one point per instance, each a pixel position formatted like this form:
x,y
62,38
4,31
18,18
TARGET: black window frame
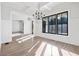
x,y
56,23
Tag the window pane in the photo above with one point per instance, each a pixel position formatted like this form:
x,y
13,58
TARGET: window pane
x,y
45,25
59,29
52,24
59,19
54,29
64,18
59,23
64,23
64,27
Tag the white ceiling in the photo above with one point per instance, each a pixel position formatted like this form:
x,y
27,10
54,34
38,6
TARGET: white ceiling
x,y
24,7
29,7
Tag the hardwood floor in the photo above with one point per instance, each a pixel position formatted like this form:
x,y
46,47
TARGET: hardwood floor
x,y
39,47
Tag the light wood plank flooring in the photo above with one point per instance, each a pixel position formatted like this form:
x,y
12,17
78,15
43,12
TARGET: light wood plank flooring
x,y
39,47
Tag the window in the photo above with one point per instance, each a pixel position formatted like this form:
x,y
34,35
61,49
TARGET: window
x,y
56,24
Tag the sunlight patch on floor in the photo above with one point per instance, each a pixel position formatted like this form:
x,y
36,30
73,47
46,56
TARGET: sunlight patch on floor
x,y
51,50
25,38
40,49
16,34
54,51
68,53
48,50
33,47
73,54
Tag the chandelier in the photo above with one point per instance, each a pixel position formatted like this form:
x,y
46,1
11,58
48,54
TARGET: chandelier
x,y
38,13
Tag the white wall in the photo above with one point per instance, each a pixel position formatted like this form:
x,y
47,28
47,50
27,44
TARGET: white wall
x,y
0,26
27,26
73,22
35,27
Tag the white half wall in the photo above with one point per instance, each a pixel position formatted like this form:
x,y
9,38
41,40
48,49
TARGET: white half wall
x,y
6,31
73,22
6,24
